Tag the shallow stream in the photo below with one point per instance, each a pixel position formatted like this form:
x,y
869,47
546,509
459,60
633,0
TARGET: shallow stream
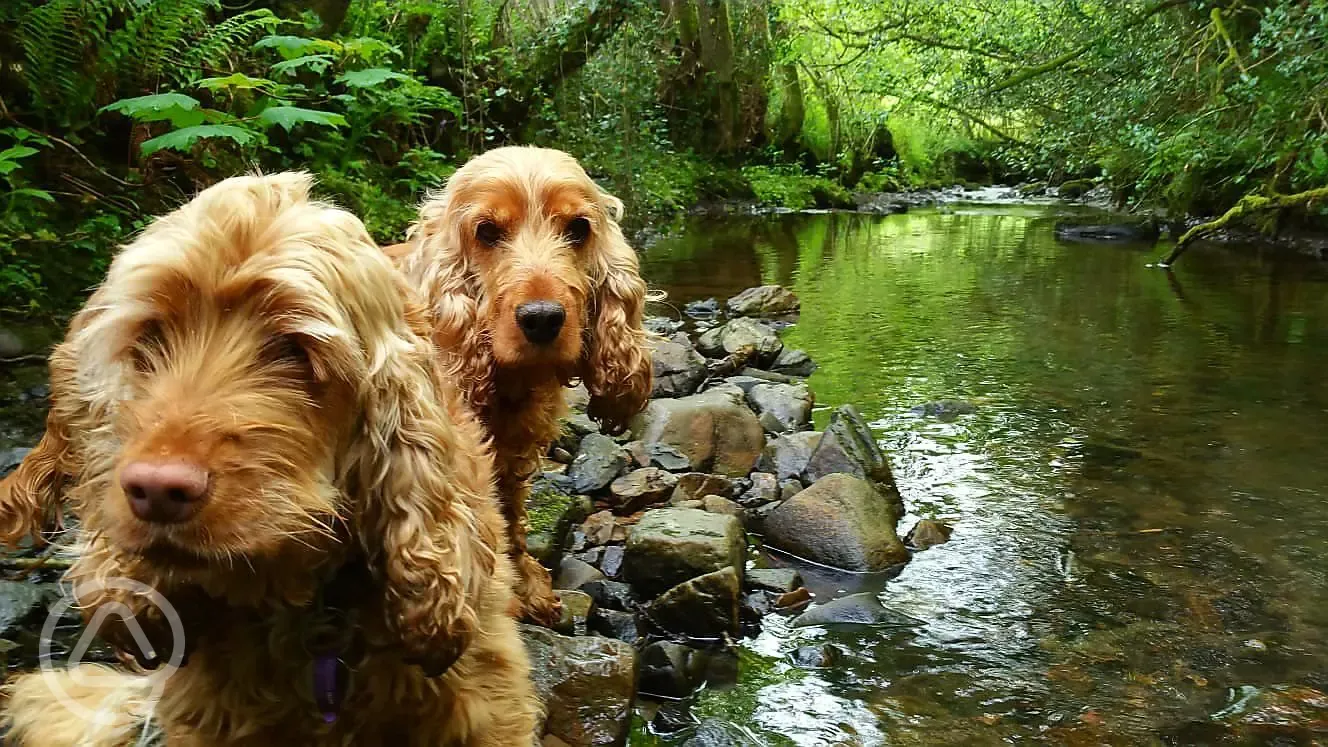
x,y
1138,498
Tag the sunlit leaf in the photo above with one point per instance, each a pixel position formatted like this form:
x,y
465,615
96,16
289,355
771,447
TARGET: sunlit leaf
x,y
289,116
184,139
374,76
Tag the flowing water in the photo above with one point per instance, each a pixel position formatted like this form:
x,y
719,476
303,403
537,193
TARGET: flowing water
x,y
1139,504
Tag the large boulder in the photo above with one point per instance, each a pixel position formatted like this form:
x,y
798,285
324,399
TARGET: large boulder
x,y
786,456
841,521
714,429
598,461
766,300
848,446
671,545
679,369
702,607
782,407
741,334
588,686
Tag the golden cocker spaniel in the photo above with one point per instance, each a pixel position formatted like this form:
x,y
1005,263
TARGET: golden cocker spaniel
x,y
531,286
248,417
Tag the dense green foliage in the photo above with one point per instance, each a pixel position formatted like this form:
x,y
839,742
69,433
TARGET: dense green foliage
x,y
112,110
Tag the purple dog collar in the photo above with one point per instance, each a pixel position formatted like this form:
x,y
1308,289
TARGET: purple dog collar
x,y
326,692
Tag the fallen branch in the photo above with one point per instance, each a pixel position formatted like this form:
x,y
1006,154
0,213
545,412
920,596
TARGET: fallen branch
x,y
1248,204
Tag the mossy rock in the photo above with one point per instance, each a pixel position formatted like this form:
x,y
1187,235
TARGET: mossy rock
x,y
550,512
1076,188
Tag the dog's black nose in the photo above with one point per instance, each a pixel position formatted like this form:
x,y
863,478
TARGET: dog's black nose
x,y
541,321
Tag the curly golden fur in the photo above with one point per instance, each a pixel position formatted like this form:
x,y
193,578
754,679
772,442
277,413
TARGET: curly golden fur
x,y
517,226
261,338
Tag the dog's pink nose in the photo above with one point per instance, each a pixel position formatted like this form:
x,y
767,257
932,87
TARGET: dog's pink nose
x,y
164,492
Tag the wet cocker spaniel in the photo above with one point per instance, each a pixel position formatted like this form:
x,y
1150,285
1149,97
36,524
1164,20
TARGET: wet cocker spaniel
x,y
531,286
248,417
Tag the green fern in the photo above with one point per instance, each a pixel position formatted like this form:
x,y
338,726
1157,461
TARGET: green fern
x,y
214,49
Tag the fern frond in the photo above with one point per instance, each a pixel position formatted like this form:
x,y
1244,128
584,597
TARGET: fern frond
x,y
214,49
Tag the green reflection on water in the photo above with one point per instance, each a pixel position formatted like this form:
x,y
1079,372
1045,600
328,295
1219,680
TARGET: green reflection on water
x,y
1138,498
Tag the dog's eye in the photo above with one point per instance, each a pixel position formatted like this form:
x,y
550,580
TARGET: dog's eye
x,y
488,233
577,231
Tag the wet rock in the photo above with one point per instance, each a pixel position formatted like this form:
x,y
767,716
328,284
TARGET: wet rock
x,y
641,488
848,446
707,309
719,505
854,609
787,455
560,455
697,485
20,600
11,458
597,463
664,670
576,609
928,533
788,406
577,398
1281,714
766,300
779,580
611,595
593,556
792,601
658,455
588,685
789,488
661,325
945,409
702,607
745,383
815,657
697,504
715,430
671,545
841,521
602,527
791,362
611,564
679,369
715,733
1122,232
573,574
757,604
616,624
741,334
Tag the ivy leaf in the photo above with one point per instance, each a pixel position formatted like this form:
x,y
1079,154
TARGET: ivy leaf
x,y
290,47
183,139
315,62
374,76
289,116
177,108
238,81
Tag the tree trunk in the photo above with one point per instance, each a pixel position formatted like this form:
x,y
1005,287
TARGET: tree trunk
x,y
792,112
716,36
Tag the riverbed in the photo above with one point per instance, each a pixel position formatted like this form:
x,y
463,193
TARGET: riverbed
x,y
1133,461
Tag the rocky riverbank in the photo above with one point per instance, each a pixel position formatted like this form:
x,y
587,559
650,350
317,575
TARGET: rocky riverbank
x,y
679,538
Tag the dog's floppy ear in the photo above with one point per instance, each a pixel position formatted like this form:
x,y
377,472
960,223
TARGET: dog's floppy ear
x,y
421,475
31,497
437,267
617,368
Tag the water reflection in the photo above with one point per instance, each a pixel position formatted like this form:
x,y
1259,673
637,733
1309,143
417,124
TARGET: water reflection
x,y
1138,496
